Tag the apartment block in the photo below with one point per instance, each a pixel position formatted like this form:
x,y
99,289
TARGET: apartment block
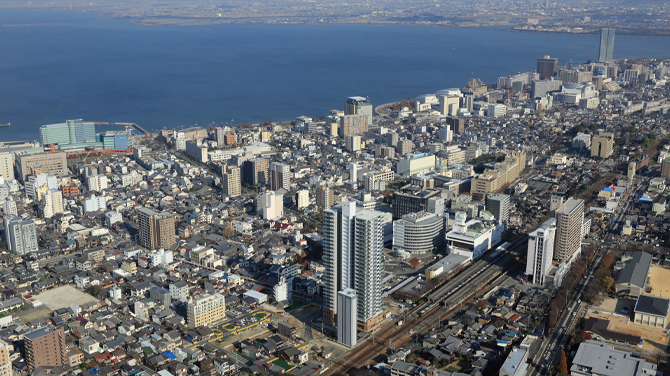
x,y
540,251
232,185
156,229
205,310
45,347
602,145
569,222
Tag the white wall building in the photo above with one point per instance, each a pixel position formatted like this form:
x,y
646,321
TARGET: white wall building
x,y
474,237
271,204
347,306
96,183
540,251
416,164
302,199
95,203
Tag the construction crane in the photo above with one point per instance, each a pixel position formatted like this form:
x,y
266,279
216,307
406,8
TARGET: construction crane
x,y
87,154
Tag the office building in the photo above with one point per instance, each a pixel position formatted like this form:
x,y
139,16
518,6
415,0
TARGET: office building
x,y
418,233
498,204
602,145
595,358
352,143
205,310
353,124
547,67
7,166
271,204
392,139
540,251
119,140
95,203
302,199
413,202
449,104
606,45
325,197
255,172
52,203
70,132
20,235
45,347
231,182
474,237
404,147
280,176
569,222
51,163
359,106
352,254
412,163
539,89
347,307
156,229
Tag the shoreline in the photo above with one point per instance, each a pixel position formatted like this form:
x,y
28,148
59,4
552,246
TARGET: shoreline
x,y
210,20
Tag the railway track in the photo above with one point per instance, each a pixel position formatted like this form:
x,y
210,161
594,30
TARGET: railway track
x,y
442,303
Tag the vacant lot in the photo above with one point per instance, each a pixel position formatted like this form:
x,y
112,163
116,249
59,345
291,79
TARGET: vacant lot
x,y
660,282
63,297
654,339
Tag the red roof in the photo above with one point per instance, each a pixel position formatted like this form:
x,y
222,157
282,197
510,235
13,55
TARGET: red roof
x,y
514,318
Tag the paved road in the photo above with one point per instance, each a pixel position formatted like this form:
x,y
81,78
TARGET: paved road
x,y
549,353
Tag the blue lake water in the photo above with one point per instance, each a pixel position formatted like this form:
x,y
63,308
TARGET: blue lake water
x,y
63,65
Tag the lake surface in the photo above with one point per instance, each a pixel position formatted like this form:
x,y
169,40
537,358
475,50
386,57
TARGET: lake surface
x,y
65,65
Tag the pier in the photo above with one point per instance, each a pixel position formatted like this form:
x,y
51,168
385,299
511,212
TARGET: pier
x,y
132,125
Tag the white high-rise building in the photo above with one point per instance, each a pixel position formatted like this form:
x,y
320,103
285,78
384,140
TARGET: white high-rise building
x,y
96,183
446,134
271,204
52,203
347,306
20,235
540,251
353,240
569,226
302,199
95,203
353,171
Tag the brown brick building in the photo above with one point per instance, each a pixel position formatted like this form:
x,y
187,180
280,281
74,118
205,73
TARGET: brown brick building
x,y
45,347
